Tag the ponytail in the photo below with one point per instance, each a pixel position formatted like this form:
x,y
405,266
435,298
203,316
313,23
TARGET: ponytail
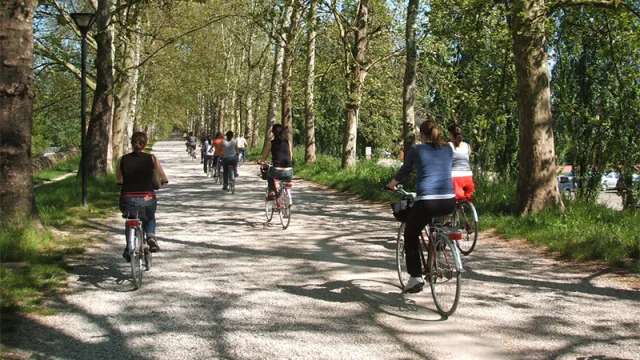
x,y
456,131
430,131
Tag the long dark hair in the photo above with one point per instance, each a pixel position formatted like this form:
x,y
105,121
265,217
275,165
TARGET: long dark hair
x,y
456,131
218,135
139,141
430,131
229,135
278,133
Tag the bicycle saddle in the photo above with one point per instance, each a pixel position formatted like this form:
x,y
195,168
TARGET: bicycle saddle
x,y
138,212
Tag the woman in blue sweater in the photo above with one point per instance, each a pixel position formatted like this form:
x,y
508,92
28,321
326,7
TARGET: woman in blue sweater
x,y
432,161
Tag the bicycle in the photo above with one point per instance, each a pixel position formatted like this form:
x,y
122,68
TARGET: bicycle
x,y
210,168
281,202
232,180
192,153
466,219
217,175
442,268
137,243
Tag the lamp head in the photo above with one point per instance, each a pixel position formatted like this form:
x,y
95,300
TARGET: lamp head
x,y
83,21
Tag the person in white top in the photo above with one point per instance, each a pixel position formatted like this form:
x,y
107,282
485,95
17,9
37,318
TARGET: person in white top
x,y
229,157
461,170
207,148
242,146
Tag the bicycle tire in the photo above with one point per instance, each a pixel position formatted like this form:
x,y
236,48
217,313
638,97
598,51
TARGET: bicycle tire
x,y
136,257
232,181
466,219
401,260
285,209
443,277
268,209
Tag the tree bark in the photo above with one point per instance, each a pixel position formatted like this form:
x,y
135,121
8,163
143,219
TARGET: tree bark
x,y
276,75
287,67
310,137
248,93
17,197
99,132
537,185
255,133
409,89
355,82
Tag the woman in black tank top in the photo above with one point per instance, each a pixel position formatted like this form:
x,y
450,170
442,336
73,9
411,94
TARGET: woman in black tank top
x,y
135,172
281,156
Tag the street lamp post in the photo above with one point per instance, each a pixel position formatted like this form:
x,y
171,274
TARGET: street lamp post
x,y
83,21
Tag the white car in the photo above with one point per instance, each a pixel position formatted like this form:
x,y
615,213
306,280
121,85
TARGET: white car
x,y
610,180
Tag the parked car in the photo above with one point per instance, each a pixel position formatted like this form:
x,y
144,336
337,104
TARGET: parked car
x,y
610,180
566,184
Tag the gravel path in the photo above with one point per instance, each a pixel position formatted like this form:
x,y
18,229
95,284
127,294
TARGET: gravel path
x,y
228,285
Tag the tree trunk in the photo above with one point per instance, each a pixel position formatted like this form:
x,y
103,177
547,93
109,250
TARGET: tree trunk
x,y
249,94
254,133
409,89
355,82
17,197
99,131
310,117
287,67
276,75
537,184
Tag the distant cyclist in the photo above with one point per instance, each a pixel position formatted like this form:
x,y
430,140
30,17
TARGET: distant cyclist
x,y
461,170
203,138
208,148
135,172
192,142
218,150
242,146
229,158
435,197
282,158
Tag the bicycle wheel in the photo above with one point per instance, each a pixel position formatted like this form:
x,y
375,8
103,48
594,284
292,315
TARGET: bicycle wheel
x,y
401,261
268,209
467,221
443,276
136,257
285,209
232,181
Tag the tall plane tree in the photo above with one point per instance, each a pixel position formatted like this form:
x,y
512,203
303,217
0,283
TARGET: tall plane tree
x,y
310,138
17,197
287,67
409,88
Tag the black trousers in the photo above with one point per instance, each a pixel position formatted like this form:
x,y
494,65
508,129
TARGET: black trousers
x,y
419,217
228,162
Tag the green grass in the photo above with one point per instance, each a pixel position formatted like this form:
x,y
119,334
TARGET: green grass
x,y
66,166
587,231
32,258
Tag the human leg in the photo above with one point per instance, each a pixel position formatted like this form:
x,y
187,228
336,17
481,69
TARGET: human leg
x,y
225,170
417,220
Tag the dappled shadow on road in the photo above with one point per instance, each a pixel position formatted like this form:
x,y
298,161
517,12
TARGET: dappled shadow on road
x,y
229,284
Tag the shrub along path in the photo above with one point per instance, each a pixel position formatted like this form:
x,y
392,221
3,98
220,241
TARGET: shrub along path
x,y
228,285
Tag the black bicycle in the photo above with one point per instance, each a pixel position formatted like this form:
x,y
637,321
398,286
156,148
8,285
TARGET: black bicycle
x,y
137,243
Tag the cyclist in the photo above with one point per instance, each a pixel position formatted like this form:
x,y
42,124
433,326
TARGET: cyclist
x,y
218,149
229,158
135,172
192,142
208,148
461,170
435,197
203,138
242,146
282,158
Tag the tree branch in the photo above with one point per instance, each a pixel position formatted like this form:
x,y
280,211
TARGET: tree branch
x,y
43,51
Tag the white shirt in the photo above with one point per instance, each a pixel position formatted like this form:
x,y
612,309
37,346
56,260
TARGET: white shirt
x,y
208,148
229,148
242,142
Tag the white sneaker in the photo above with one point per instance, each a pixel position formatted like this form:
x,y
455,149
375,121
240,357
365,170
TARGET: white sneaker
x,y
414,285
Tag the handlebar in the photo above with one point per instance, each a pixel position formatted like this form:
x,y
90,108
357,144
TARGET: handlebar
x,y
400,190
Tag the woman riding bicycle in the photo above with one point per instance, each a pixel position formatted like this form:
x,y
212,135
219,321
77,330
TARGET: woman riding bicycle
x,y
435,197
229,158
461,170
207,147
282,158
135,172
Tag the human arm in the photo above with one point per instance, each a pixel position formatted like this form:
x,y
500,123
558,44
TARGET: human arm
x,y
265,153
405,170
119,177
163,177
291,151
469,146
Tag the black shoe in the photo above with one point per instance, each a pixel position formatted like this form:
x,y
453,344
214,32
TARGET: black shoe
x,y
125,254
153,244
225,189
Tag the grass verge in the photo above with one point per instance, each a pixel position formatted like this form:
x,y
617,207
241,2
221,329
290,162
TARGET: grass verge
x,y
64,167
33,258
587,231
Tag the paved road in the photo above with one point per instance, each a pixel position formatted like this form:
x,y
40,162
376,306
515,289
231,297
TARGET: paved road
x,y
228,285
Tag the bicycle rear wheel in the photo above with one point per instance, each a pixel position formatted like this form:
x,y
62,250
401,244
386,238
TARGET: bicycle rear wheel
x,y
268,209
232,181
443,276
285,209
467,221
401,261
136,256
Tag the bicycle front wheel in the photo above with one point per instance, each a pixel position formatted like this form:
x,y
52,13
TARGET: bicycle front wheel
x,y
401,260
443,276
467,222
268,209
136,257
232,182
285,209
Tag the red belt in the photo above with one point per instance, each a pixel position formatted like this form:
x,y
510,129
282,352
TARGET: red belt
x,y
143,194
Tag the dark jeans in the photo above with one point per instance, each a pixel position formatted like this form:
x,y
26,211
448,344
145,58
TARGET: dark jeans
x,y
206,162
150,207
275,174
419,217
243,153
226,163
